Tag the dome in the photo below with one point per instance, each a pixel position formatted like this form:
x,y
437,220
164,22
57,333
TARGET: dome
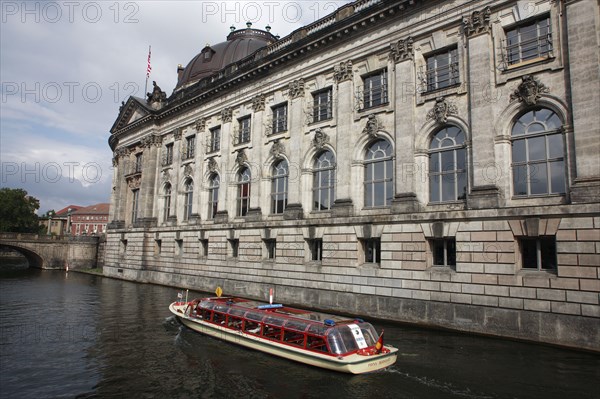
x,y
240,44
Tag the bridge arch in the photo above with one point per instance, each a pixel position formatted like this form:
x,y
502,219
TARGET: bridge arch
x,y
33,258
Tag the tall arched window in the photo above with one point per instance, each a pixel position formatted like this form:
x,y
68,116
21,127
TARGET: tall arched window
x,y
279,187
243,192
213,195
188,198
324,181
538,155
379,173
167,201
448,165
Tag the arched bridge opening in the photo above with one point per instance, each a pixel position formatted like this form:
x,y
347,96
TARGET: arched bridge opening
x,y
33,259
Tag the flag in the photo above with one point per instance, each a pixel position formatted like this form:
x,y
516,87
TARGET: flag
x,y
149,68
179,295
379,343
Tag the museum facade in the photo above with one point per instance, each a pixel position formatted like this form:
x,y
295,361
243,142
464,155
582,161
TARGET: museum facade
x,y
431,162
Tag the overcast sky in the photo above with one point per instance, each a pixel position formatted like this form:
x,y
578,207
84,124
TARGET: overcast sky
x,y
67,65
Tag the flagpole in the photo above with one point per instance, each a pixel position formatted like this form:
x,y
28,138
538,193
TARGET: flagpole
x,y
148,70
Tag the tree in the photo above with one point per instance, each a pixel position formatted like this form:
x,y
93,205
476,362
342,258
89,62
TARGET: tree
x,y
17,212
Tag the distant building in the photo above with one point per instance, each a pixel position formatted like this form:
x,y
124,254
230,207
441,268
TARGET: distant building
x,y
434,162
59,221
90,220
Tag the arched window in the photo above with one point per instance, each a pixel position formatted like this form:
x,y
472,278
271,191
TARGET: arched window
x,y
379,173
279,187
213,195
448,166
188,198
538,155
243,192
324,181
167,201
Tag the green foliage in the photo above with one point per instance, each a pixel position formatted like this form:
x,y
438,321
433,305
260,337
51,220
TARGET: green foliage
x,y
17,211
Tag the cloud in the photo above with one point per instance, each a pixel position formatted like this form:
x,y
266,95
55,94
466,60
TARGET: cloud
x,y
66,67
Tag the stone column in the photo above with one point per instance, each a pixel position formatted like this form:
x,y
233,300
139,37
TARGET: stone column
x,y
583,24
151,144
343,205
294,149
480,64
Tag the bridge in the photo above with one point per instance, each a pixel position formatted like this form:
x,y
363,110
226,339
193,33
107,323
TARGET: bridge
x,y
54,252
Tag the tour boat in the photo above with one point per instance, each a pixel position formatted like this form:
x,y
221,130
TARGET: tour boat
x,y
313,338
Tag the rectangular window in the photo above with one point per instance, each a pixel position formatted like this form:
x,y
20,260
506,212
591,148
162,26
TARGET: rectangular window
x,y
270,247
134,205
528,41
375,89
372,250
234,245
316,249
322,106
138,163
178,247
280,118
215,139
190,147
204,248
244,130
538,253
168,155
157,247
443,251
442,70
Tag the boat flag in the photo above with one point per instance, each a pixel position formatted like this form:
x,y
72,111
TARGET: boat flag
x,y
379,343
179,296
148,68
271,296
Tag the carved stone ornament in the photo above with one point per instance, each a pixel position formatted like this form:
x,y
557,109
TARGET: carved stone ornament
x,y
258,102
212,165
151,140
373,126
402,50
166,175
321,138
441,110
188,171
200,124
157,95
177,133
342,72
115,162
478,22
226,115
134,182
296,88
241,158
529,90
278,149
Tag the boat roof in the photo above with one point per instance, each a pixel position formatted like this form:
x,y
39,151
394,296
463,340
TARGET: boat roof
x,y
285,312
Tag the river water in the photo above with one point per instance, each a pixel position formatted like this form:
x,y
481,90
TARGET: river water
x,y
74,335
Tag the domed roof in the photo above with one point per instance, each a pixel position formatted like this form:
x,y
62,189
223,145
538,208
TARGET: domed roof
x,y
240,44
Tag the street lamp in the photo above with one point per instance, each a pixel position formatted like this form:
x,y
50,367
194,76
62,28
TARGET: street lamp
x,y
69,221
50,222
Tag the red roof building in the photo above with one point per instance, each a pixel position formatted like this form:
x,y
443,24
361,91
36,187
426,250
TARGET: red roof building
x,y
90,220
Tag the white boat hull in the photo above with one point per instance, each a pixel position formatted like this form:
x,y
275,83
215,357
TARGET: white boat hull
x,y
354,363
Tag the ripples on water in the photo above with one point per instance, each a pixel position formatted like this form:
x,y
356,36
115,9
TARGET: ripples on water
x,y
77,335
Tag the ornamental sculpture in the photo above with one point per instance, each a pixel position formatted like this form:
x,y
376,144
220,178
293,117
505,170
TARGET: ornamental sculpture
x,y
342,72
441,110
212,165
226,115
166,176
402,50
188,171
177,133
321,138
258,102
277,150
151,140
373,126
296,88
478,22
134,182
529,91
157,95
200,124
241,159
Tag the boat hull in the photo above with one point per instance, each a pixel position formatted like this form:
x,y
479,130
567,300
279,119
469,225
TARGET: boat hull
x,y
354,363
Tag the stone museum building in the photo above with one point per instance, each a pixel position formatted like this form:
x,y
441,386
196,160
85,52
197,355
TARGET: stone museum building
x,y
430,162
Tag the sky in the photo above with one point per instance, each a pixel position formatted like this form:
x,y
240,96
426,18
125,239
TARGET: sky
x,y
65,67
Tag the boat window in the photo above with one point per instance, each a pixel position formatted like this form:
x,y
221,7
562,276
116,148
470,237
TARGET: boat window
x,y
220,307
207,304
293,337
254,316
277,321
369,333
272,332
341,339
205,314
317,329
219,318
335,342
234,322
316,343
252,327
237,311
296,325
